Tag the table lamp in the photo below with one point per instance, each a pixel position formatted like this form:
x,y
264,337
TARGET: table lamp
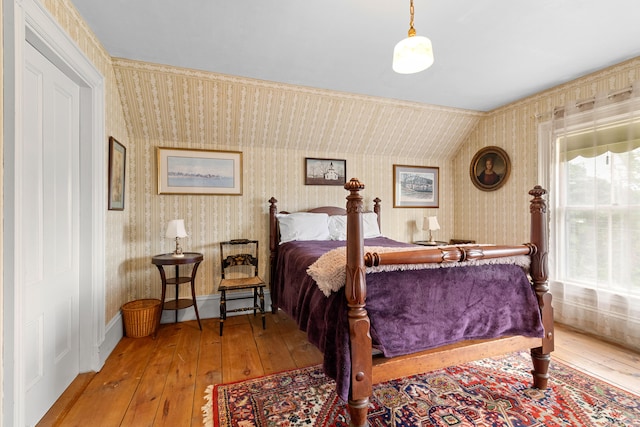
x,y
430,223
175,230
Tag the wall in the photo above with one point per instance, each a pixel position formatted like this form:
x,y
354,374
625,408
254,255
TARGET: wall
x,y
501,216
268,172
275,126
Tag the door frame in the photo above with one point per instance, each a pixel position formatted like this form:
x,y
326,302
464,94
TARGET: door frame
x,y
34,24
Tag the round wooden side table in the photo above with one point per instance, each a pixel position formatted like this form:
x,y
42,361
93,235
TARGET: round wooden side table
x,y
176,304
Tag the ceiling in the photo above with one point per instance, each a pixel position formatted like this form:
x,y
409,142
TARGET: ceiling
x,y
487,53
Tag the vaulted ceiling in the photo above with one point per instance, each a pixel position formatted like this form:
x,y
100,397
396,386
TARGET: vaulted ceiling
x,y
179,106
487,53
316,74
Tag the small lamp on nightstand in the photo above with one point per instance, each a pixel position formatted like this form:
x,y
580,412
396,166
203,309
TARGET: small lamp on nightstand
x,y
175,230
430,223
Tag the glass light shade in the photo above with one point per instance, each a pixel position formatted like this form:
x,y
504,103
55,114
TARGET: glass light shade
x,y
412,55
176,229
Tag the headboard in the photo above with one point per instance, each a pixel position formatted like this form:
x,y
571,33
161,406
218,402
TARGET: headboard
x,y
274,233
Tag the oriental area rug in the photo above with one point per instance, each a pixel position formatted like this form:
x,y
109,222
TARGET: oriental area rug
x,y
489,392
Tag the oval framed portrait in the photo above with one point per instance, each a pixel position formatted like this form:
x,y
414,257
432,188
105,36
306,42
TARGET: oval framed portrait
x,y
490,168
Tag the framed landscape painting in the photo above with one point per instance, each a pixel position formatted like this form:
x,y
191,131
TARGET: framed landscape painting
x,y
192,171
415,186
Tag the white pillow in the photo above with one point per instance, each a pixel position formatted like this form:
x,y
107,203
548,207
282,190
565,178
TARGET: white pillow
x,y
303,226
338,226
370,222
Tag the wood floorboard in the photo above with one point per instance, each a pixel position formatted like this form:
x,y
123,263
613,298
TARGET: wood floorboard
x,y
278,358
110,390
175,408
609,362
240,358
145,400
209,369
162,381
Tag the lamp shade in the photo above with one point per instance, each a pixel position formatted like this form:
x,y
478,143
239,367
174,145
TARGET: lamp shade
x,y
412,55
176,229
430,223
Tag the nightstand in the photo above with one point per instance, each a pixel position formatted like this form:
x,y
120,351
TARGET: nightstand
x,y
461,241
427,243
176,304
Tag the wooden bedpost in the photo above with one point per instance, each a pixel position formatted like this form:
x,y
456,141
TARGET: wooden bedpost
x,y
376,209
273,244
356,294
541,356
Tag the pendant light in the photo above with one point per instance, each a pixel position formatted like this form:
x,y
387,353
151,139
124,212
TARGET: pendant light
x,y
413,54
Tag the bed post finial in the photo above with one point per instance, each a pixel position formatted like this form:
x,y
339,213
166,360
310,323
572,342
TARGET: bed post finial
x,y
273,224
354,185
376,209
356,294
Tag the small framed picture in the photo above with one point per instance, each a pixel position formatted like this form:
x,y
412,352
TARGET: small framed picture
x,y
117,169
325,171
490,168
185,171
415,186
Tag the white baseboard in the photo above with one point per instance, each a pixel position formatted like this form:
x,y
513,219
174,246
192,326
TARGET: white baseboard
x,y
209,307
114,332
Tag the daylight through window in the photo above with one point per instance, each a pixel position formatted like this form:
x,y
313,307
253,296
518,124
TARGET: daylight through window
x,y
597,212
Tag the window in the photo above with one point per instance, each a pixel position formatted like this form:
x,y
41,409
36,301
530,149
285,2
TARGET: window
x,y
596,221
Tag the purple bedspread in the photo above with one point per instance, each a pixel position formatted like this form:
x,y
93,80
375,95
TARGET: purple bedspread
x,y
409,311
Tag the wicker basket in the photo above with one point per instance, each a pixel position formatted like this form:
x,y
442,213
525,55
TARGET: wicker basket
x,y
141,317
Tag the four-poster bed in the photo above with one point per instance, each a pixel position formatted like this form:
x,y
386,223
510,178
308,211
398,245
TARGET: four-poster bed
x,y
418,314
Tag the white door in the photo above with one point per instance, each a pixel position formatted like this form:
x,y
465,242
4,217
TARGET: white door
x,y
48,262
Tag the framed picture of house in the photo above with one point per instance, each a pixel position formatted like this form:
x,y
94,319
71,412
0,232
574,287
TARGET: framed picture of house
x,y
117,169
416,186
325,171
194,171
490,168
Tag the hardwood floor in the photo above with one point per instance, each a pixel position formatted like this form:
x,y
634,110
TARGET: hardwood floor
x,y
161,382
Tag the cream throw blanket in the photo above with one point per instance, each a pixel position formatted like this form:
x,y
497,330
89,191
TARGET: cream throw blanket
x,y
329,271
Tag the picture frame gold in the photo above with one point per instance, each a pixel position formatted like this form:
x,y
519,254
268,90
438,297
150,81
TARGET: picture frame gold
x,y
196,171
490,168
117,174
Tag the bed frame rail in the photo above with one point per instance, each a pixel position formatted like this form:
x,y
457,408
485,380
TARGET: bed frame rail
x,y
447,254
